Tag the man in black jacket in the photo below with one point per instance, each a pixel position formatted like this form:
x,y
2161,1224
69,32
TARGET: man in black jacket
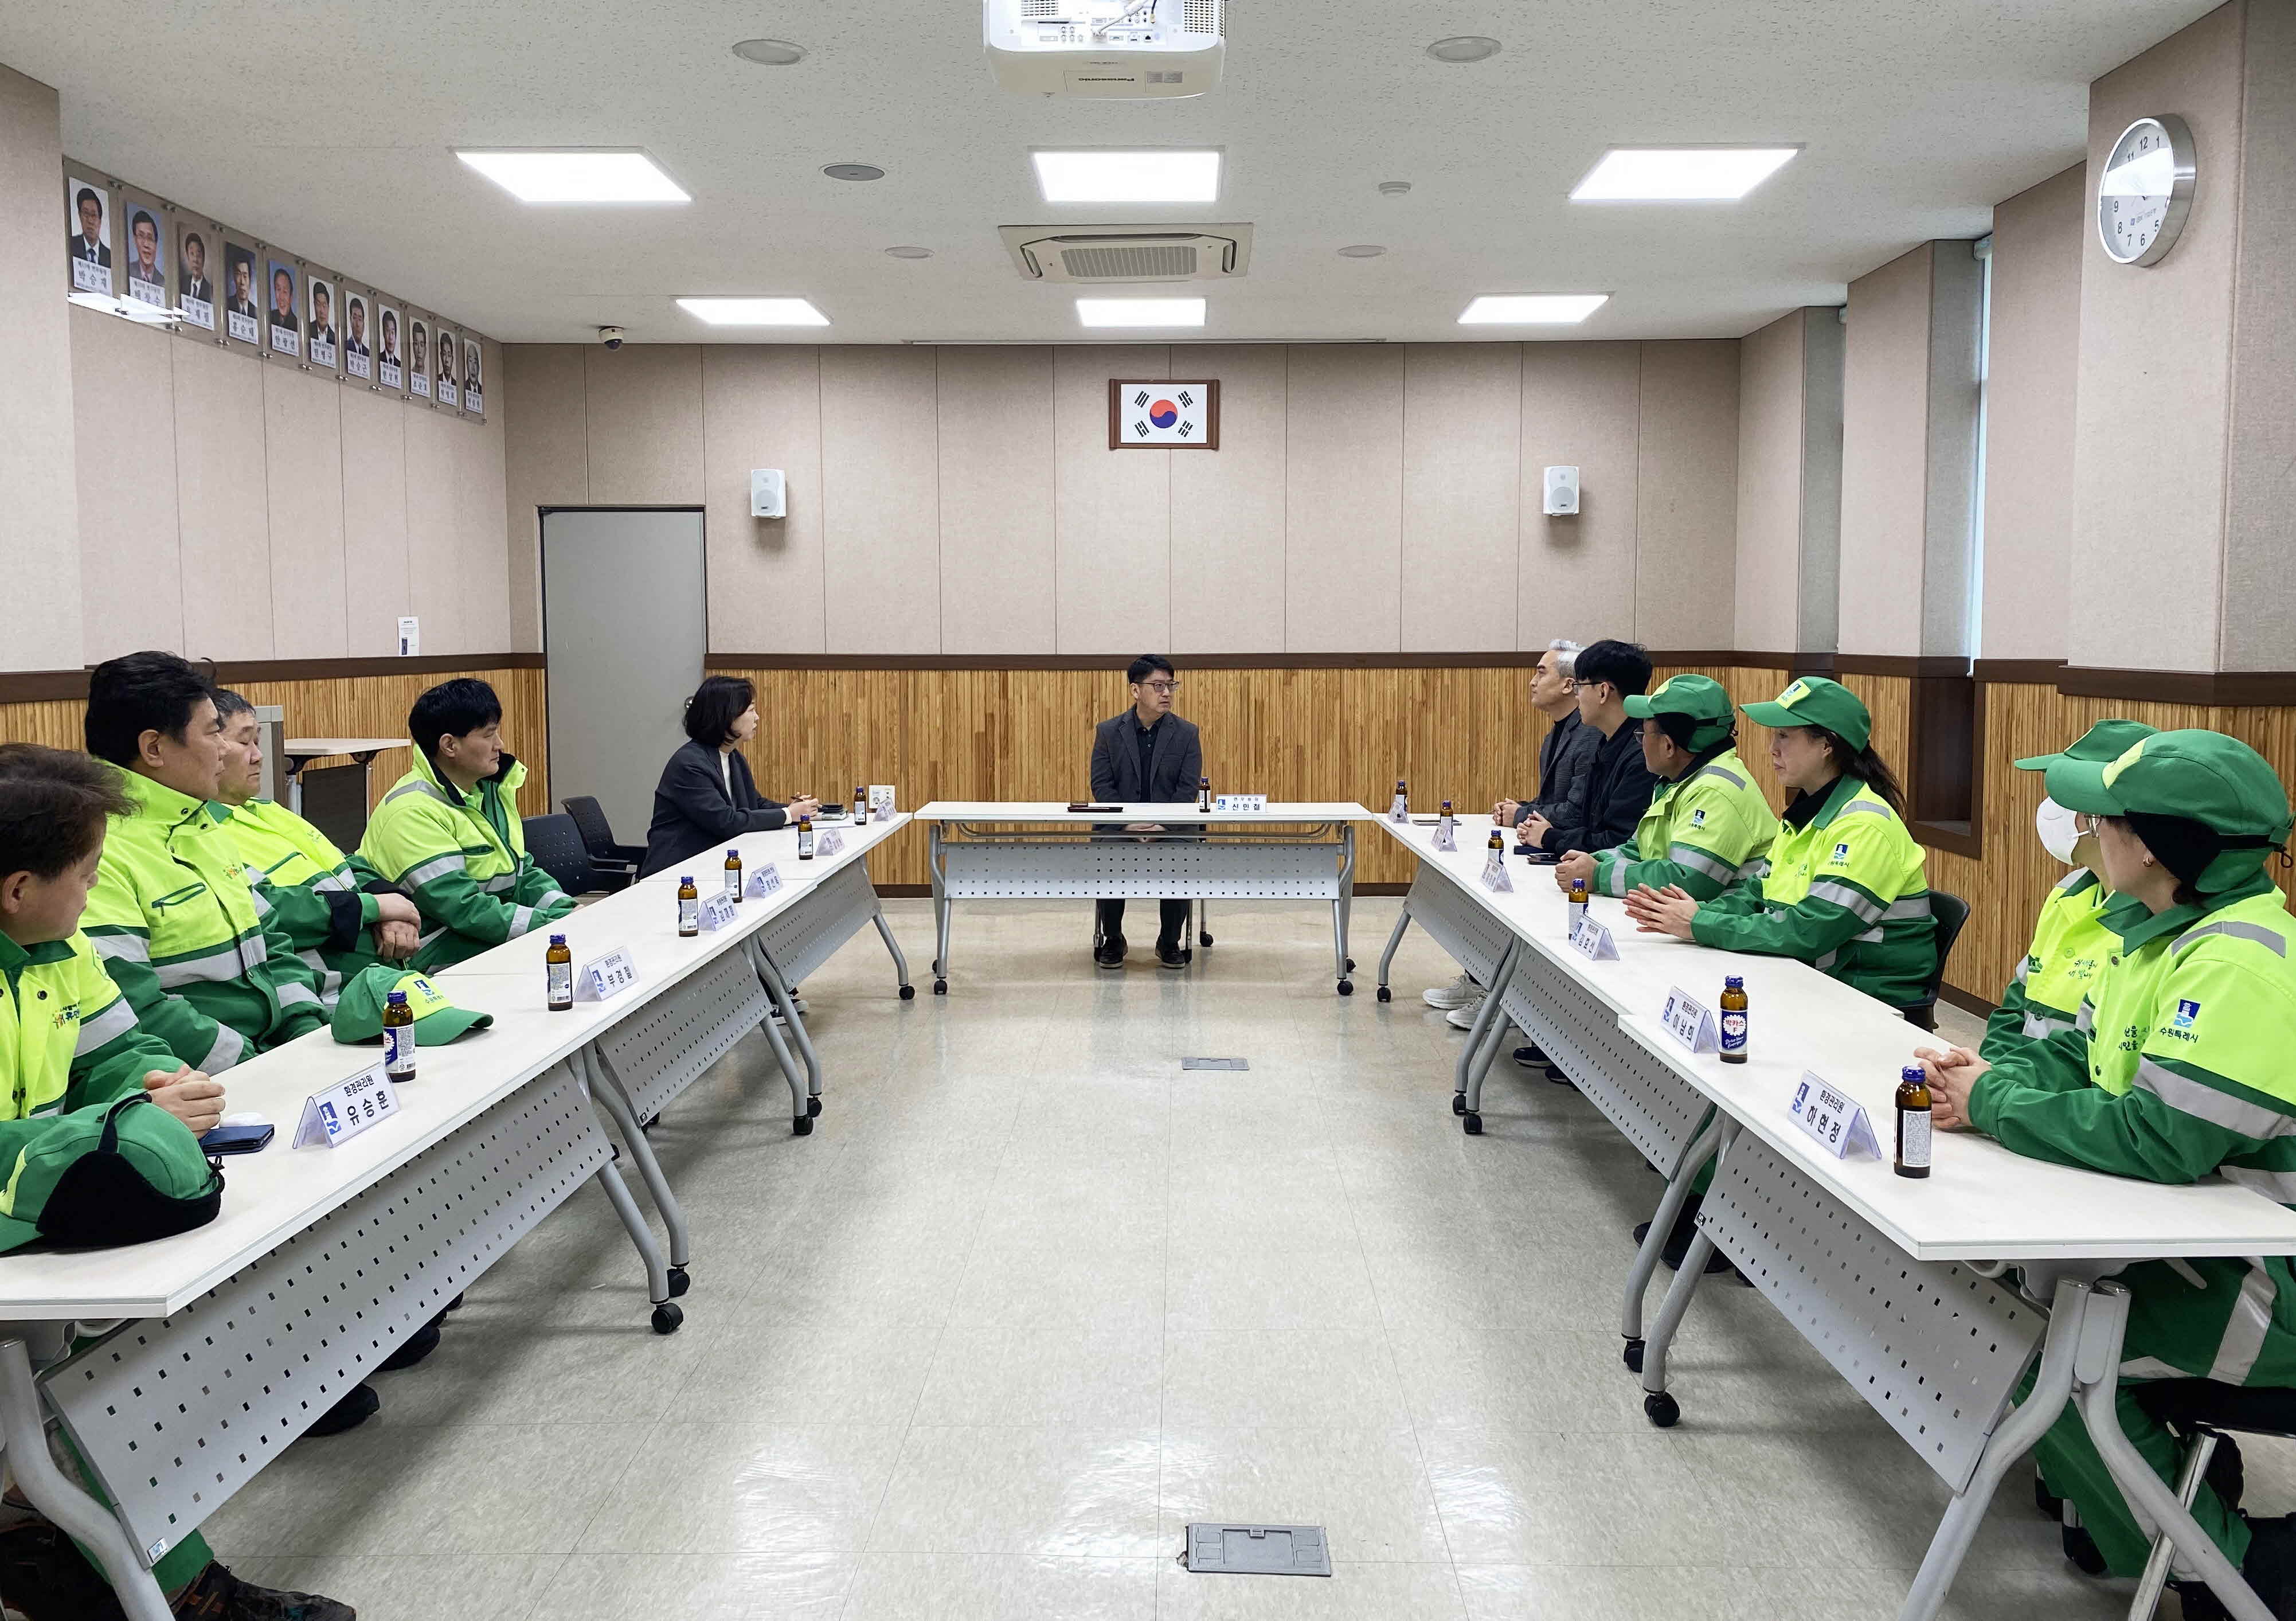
x,y
1146,755
1618,785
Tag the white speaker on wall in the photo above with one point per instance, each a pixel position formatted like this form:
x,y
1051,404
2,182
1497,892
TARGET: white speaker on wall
x,y
1562,491
768,493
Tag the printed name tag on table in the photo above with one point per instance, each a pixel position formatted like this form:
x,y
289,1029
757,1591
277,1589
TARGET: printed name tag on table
x,y
607,976
1690,1022
765,882
1240,801
1832,1119
1447,834
829,844
345,1108
1592,940
718,909
1495,876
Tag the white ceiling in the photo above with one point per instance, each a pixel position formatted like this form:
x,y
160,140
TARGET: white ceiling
x,y
326,129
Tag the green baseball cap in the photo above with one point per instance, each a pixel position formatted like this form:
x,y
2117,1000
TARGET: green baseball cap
x,y
1815,701
2106,740
358,1011
2204,777
1701,697
122,1173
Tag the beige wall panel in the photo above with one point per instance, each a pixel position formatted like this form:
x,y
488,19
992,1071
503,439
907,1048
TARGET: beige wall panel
x,y
1114,514
436,590
1227,510
40,541
1344,519
1581,408
1462,496
2154,378
645,427
222,550
1885,457
761,408
540,398
1770,409
2028,415
881,512
374,519
123,395
1687,494
478,485
996,481
303,473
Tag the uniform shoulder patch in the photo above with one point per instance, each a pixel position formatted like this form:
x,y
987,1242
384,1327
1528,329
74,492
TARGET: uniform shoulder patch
x,y
1841,854
2186,1012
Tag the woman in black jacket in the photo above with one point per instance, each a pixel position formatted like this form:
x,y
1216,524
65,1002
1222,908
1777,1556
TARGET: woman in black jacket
x,y
706,795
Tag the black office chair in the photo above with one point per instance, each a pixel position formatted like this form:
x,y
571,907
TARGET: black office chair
x,y
1951,912
2200,1412
616,865
555,843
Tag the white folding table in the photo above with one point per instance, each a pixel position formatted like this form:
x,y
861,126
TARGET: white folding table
x,y
1045,851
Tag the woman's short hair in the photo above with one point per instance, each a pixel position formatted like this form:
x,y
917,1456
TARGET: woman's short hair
x,y
714,707
52,806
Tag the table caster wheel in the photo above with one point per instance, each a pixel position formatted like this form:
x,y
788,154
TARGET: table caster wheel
x,y
1385,994
1205,940
940,987
802,1127
1660,1408
908,994
1633,1356
1347,987
1458,1103
1351,965
678,1282
812,1108
666,1318
1474,1124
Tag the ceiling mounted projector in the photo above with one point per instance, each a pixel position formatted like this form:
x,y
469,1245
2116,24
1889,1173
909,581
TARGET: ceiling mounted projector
x,y
1128,254
1106,48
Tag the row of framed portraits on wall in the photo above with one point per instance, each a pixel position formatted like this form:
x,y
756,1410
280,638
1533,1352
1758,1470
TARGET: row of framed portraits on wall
x,y
239,292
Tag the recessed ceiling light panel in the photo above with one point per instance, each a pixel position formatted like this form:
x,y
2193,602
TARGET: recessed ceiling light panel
x,y
1680,174
1129,176
1140,312
770,52
1532,308
1464,47
755,312
577,175
853,171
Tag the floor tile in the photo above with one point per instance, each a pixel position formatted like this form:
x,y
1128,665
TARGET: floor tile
x,y
1000,1587
747,1488
1017,1489
784,1586
1050,1374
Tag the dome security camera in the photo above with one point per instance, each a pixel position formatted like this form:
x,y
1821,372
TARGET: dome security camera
x,y
611,336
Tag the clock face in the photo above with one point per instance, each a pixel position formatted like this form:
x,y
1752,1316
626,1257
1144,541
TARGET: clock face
x,y
2146,190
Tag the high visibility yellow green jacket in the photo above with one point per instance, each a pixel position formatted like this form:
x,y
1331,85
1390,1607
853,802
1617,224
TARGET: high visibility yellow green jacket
x,y
2070,944
463,858
1707,829
309,888
176,924
69,1039
1845,892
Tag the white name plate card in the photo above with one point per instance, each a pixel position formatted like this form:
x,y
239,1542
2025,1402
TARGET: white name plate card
x,y
828,844
1831,1119
605,977
1240,801
765,881
1690,1022
1495,874
1592,940
719,909
1447,834
881,801
345,1108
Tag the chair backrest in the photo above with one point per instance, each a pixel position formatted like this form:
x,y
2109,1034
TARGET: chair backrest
x,y
589,818
555,843
1951,912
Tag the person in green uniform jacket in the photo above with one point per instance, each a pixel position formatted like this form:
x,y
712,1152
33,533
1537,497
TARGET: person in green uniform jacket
x,y
70,1040
449,831
339,921
171,914
2188,1074
2069,940
1708,827
1845,890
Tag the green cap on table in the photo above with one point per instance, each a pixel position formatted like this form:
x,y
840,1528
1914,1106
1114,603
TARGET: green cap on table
x,y
122,1173
1815,701
1701,697
2106,740
358,1011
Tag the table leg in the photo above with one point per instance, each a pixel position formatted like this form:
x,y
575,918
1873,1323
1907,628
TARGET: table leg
x,y
23,1437
900,963
1653,1244
1658,1405
606,1089
1394,939
799,1037
1465,1074
936,862
667,1314
1346,901
800,1120
1492,1042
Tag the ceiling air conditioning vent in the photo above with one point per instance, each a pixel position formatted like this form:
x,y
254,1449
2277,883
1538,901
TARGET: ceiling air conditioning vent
x,y
1128,254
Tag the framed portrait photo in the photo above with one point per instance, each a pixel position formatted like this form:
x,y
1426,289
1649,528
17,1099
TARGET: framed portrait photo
x,y
143,237
282,324
87,233
323,319
198,261
1160,414
241,287
418,358
474,383
358,332
389,347
447,367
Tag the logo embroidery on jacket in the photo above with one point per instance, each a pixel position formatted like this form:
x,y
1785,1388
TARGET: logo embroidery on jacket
x,y
2186,1012
1841,854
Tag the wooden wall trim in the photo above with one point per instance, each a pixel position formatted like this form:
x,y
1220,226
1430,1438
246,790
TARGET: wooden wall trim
x,y
48,686
2223,689
42,685
2018,672
1517,660
1901,664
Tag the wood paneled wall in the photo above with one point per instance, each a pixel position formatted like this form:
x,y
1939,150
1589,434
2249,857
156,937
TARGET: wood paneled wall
x,y
366,707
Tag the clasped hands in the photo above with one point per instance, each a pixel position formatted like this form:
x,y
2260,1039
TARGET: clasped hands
x,y
190,1095
1952,1075
1530,826
397,927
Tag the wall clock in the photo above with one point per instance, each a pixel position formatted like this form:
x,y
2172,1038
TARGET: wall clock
x,y
2146,190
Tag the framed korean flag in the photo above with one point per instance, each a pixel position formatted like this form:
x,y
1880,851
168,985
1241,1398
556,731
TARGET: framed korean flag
x,y
1158,414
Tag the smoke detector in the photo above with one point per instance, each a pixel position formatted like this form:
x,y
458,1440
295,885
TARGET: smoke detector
x,y
1128,254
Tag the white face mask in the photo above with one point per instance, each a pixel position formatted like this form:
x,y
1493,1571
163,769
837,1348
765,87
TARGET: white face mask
x,y
2054,824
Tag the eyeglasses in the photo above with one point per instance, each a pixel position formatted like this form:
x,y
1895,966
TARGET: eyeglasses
x,y
2086,822
1165,687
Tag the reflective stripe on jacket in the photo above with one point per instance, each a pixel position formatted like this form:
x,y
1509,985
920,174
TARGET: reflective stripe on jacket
x,y
1705,830
462,858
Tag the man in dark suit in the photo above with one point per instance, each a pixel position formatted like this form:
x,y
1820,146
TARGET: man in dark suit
x,y
192,270
356,343
1146,755
322,313
283,301
243,287
89,244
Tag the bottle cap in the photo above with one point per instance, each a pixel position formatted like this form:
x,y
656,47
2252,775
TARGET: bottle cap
x,y
687,878
558,940
1912,1072
1731,982
396,998
734,854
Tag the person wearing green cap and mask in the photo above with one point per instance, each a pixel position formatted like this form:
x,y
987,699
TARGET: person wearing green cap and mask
x,y
1845,892
2071,941
2197,1007
1707,825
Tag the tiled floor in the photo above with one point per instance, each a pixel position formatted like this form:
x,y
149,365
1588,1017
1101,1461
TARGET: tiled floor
x,y
1030,1298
